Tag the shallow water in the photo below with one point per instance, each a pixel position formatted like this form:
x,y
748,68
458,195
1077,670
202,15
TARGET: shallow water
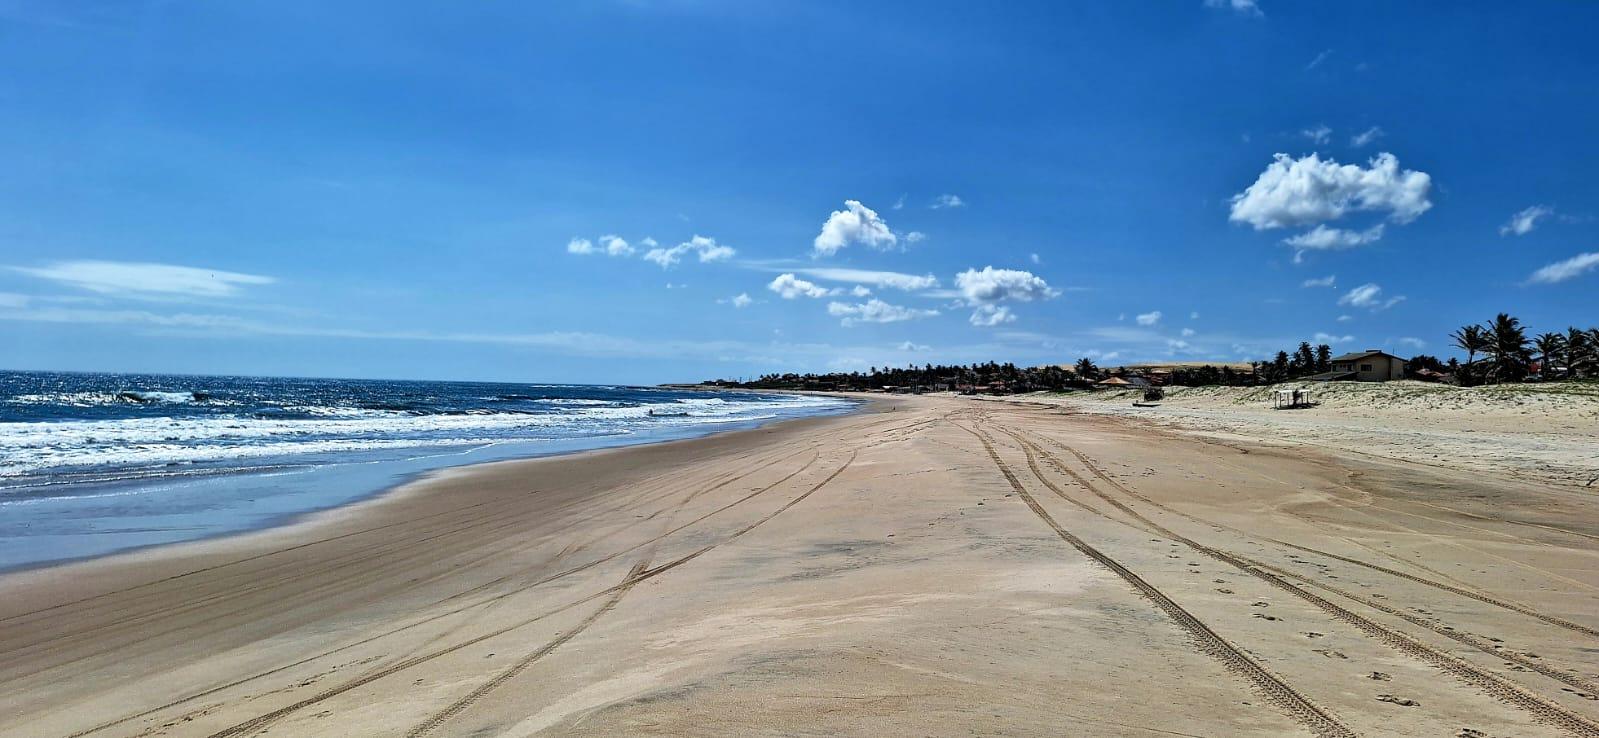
x,y
96,463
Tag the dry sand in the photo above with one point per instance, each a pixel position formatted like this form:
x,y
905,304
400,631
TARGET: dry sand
x,y
930,566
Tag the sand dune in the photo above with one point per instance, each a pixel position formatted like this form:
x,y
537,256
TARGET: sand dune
x,y
930,566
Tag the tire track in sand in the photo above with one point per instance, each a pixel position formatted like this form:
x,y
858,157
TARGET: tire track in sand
x,y
1503,690
1290,700
251,725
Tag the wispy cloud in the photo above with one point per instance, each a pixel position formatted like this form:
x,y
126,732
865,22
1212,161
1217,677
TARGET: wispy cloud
x,y
1369,295
1525,221
1316,62
874,311
1242,7
1364,138
1561,271
947,201
139,279
1330,280
1150,318
1319,135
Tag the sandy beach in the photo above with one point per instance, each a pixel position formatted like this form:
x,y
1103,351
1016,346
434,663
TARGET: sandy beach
x,y
926,566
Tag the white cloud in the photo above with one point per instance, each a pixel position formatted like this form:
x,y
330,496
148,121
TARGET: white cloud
x,y
1345,318
856,223
1369,295
741,300
899,204
1524,222
1150,318
1412,342
991,315
1561,271
1319,135
579,246
1242,7
707,248
997,285
615,246
1364,138
1306,191
1193,315
138,279
1330,280
1188,333
1034,258
1322,238
915,237
1330,339
861,291
874,311
947,201
893,280
790,287
1316,62
915,347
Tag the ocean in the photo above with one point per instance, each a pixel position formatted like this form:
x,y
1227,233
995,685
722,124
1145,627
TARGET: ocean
x,y
96,463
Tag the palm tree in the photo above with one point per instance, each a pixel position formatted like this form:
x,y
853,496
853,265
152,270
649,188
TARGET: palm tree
x,y
1470,339
1580,351
1551,347
1507,342
1085,368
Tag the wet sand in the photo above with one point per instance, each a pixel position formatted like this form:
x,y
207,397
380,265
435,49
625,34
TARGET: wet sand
x,y
929,566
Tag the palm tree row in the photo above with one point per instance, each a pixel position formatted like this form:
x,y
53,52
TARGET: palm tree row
x,y
1508,352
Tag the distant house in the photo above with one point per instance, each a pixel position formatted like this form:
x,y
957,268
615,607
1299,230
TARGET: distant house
x,y
1123,383
1371,365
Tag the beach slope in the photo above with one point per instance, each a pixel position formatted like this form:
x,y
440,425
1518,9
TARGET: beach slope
x,y
929,566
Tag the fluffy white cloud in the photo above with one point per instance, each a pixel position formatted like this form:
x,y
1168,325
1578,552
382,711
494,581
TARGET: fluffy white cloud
x,y
1296,192
861,291
1345,318
892,280
874,311
615,246
579,246
1364,138
790,287
915,237
857,224
997,285
741,300
1524,222
140,279
1150,318
1188,333
707,248
1319,135
1330,280
948,201
1369,295
915,347
1331,339
1561,271
991,315
1242,7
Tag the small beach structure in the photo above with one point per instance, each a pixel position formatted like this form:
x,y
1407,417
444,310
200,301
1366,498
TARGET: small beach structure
x,y
1371,365
1123,383
1288,399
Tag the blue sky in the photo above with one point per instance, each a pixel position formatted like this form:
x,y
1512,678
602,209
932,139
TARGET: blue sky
x,y
399,190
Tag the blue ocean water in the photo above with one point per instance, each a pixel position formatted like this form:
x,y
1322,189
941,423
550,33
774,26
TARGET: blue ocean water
x,y
96,463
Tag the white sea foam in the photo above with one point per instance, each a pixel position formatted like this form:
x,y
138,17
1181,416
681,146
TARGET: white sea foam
x,y
34,448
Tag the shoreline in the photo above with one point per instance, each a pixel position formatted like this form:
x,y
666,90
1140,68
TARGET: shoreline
x,y
404,484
